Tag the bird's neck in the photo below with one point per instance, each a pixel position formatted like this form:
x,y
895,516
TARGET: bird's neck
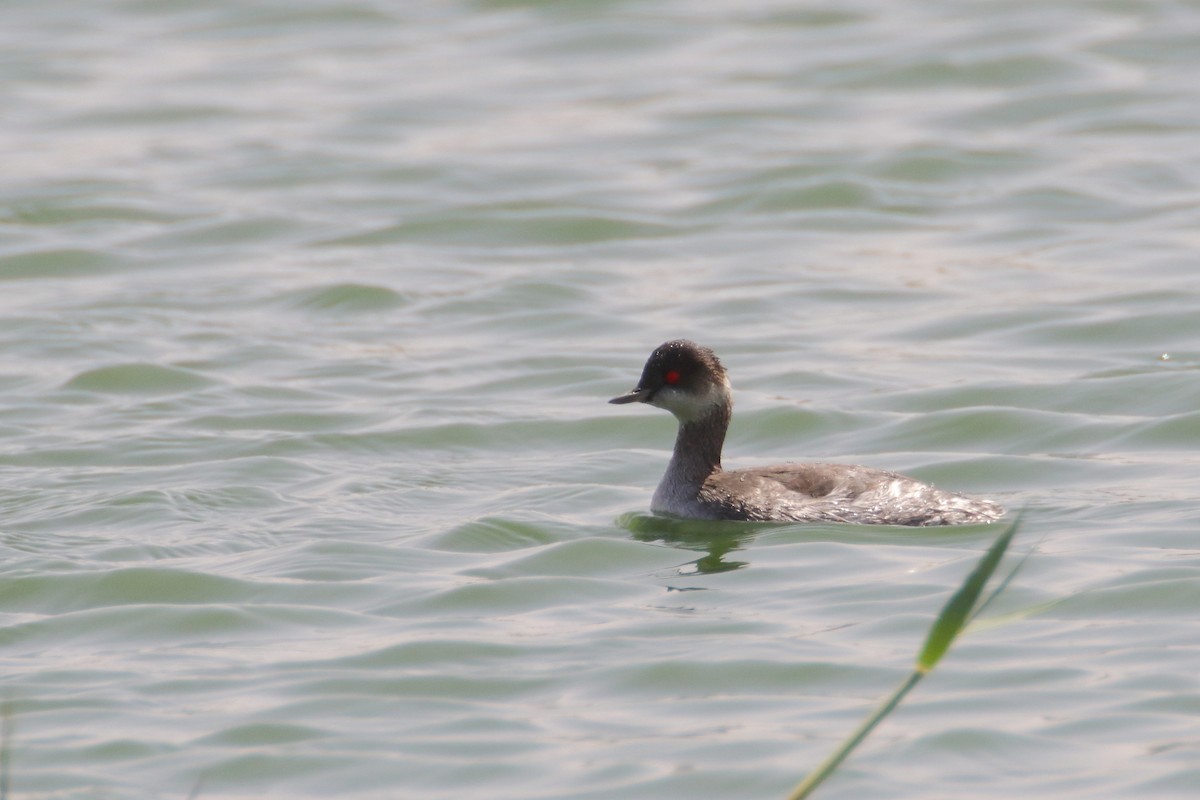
x,y
698,447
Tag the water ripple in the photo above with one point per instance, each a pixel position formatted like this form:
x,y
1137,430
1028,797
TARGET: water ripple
x,y
311,313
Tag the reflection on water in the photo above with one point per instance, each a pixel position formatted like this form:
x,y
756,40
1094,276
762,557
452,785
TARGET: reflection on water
x,y
717,538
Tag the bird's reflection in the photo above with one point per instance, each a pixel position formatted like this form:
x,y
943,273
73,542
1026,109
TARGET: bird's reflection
x,y
716,539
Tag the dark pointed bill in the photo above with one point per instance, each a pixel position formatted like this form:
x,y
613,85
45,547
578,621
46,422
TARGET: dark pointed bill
x,y
634,396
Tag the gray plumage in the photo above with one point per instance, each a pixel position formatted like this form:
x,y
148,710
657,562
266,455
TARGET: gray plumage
x,y
689,381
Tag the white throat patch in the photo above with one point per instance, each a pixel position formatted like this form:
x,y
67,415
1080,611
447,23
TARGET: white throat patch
x,y
687,406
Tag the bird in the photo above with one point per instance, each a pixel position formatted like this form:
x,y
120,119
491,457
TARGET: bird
x,y
689,381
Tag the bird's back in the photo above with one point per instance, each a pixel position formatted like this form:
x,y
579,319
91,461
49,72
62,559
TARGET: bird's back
x,y
837,493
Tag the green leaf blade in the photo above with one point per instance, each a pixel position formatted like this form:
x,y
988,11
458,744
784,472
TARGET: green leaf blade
x,y
818,775
958,608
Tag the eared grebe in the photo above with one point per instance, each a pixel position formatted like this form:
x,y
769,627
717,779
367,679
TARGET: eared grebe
x,y
689,381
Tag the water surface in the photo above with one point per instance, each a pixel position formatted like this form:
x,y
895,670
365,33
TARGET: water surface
x,y
310,311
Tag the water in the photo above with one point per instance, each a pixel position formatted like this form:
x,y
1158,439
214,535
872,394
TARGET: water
x,y
310,312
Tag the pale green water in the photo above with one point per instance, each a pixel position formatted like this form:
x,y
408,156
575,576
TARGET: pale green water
x,y
309,316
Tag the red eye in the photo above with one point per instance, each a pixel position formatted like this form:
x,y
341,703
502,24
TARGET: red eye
x,y
672,377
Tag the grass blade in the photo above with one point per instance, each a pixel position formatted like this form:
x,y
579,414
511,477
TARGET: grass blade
x,y
196,787
1003,583
949,624
818,775
6,731
958,608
